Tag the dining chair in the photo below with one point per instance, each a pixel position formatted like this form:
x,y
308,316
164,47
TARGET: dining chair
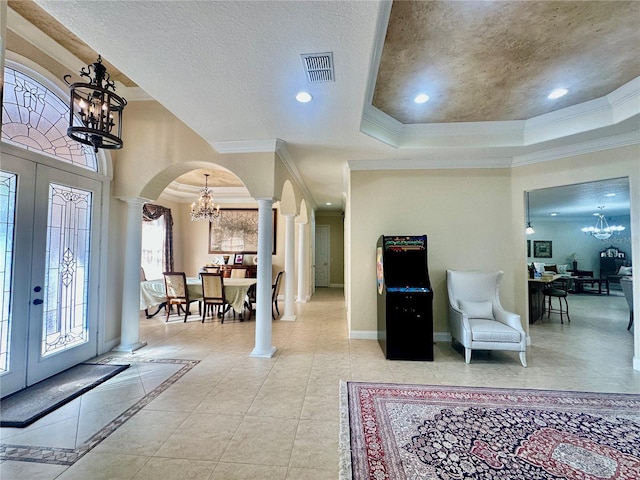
x,y
250,300
177,293
239,273
275,291
213,294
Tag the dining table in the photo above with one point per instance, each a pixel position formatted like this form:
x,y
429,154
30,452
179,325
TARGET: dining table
x,y
153,293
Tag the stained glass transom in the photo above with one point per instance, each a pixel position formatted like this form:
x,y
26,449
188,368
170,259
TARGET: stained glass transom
x,y
35,118
7,221
67,259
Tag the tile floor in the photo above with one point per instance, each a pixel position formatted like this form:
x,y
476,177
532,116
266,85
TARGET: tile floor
x,y
235,417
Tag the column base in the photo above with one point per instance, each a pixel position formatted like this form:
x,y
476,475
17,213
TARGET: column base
x,y
263,354
129,348
288,318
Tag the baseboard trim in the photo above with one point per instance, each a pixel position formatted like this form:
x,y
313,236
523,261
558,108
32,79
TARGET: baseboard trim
x,y
373,335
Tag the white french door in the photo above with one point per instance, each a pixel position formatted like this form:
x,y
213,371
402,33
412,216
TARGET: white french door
x,y
51,222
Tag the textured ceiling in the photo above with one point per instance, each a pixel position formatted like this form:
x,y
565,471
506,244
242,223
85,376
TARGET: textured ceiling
x,y
230,70
580,200
54,29
496,60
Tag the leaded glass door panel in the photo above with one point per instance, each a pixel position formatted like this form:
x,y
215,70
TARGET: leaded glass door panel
x,y
59,306
17,185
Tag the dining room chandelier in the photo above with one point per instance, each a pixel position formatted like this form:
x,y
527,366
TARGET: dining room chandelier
x,y
98,108
602,230
204,208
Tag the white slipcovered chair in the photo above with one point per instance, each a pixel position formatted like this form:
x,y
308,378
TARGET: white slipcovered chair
x,y
477,318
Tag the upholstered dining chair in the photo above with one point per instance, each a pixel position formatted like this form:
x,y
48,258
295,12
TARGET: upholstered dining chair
x,y
239,273
477,319
177,293
275,291
212,294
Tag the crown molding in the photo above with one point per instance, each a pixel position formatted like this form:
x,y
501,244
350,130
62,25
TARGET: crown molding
x,y
285,157
443,163
269,145
182,193
591,146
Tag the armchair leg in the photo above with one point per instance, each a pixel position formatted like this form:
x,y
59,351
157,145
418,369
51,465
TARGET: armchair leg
x,y
467,355
523,358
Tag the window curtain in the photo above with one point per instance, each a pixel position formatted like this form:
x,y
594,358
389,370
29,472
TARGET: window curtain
x,y
152,212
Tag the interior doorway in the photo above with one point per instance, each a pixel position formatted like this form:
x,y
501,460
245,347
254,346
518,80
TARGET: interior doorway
x,y
322,256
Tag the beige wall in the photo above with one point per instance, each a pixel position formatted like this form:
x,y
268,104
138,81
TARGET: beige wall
x,y
336,246
465,214
194,247
474,219
614,163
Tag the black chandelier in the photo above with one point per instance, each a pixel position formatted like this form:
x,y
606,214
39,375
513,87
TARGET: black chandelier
x,y
99,109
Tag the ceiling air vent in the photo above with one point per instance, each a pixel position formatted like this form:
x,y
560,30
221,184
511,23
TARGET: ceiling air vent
x,y
318,67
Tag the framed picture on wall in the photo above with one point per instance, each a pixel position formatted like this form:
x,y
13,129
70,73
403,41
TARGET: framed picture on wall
x,y
542,249
528,248
237,231
238,259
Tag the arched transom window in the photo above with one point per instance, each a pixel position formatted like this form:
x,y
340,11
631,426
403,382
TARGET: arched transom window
x,y
35,118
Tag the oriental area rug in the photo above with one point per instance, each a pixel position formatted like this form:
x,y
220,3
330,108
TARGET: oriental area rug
x,y
398,432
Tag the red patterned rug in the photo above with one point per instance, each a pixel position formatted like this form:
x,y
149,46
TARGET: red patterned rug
x,y
425,432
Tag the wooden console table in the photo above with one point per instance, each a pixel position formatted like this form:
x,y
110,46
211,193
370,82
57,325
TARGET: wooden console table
x,y
579,282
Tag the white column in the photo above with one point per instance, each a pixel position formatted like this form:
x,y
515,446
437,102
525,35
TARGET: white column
x,y
130,320
303,255
263,347
289,266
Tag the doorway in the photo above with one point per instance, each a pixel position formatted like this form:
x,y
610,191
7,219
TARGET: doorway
x,y
51,219
322,256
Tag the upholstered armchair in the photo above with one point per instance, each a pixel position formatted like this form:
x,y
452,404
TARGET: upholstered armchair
x,y
477,318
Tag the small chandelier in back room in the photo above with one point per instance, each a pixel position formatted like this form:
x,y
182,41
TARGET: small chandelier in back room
x,y
602,230
204,209
99,109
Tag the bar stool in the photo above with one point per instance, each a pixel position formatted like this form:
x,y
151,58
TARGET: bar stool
x,y
552,292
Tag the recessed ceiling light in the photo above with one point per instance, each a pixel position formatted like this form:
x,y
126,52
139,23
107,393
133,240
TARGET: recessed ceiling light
x,y
557,93
610,195
554,214
328,204
421,98
303,97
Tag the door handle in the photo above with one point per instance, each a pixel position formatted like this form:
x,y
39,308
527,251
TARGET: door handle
x,y
38,301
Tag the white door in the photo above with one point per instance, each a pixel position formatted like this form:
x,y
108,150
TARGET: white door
x,y
322,255
50,221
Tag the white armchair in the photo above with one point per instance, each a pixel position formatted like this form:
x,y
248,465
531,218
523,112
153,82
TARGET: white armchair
x,y
477,318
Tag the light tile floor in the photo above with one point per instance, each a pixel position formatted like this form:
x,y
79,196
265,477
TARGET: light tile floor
x,y
235,417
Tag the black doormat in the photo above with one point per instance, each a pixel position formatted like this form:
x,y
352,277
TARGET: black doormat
x,y
22,408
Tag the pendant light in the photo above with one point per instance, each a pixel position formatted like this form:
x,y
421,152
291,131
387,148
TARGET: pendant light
x,y
204,208
98,107
529,229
